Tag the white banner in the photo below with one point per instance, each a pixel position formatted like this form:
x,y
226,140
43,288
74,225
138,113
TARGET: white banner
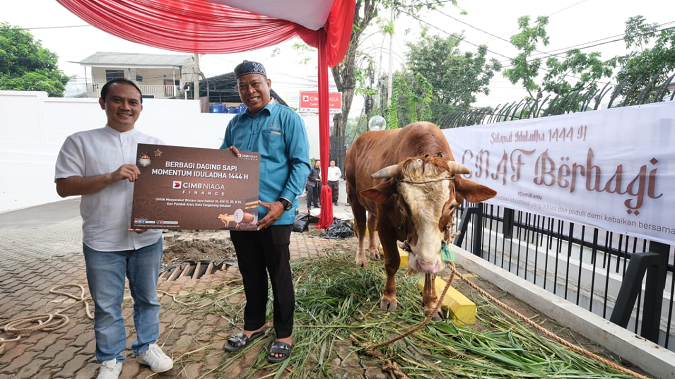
x,y
613,169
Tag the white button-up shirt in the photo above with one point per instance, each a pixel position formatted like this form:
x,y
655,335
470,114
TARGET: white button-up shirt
x,y
333,173
106,214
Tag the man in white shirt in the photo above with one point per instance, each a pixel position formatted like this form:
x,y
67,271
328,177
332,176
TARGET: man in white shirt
x,y
333,178
100,165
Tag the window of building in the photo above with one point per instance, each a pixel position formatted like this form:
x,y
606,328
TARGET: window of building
x,y
113,74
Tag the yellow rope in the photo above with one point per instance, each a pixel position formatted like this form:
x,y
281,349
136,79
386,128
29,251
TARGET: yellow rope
x,y
395,371
50,321
45,321
387,365
533,324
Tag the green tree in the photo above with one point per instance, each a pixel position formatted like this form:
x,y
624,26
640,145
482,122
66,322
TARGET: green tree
x,y
27,66
524,68
453,77
413,94
589,69
645,64
347,73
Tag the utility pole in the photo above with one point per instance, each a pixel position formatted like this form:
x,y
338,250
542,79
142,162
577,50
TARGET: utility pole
x,y
379,75
195,77
390,83
369,105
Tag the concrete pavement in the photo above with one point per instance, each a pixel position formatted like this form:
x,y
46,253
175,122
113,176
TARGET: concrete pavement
x,y
41,249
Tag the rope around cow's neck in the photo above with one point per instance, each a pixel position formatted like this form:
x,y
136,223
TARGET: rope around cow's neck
x,y
425,181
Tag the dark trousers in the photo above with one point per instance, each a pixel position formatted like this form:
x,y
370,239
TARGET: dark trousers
x,y
259,253
313,195
334,186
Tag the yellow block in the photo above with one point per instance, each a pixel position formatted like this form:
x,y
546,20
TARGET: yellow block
x,y
463,309
402,253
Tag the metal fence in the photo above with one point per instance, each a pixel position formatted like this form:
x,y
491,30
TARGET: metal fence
x,y
621,95
621,278
148,91
338,151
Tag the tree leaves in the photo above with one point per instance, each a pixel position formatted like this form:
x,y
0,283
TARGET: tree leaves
x,y
27,66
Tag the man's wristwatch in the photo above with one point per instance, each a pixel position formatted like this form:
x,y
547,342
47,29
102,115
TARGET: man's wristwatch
x,y
286,203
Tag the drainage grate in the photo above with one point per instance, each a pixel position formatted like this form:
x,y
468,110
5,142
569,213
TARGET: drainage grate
x,y
193,269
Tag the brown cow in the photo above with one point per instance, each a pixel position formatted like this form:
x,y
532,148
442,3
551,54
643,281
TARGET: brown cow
x,y
406,180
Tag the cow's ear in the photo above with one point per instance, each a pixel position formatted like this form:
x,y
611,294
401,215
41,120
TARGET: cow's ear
x,y
381,192
472,191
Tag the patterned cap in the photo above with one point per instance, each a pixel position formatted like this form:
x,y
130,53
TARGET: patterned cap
x,y
247,67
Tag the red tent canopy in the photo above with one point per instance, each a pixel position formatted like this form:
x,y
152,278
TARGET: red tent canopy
x,y
231,26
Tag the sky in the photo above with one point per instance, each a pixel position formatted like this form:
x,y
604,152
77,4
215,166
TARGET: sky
x,y
572,23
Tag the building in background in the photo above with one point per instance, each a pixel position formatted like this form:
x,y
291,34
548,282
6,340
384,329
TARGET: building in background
x,y
159,76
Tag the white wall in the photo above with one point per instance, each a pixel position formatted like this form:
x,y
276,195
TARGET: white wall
x,y
34,126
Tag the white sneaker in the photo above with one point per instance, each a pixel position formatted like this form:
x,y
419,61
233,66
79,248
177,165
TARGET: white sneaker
x,y
155,358
109,369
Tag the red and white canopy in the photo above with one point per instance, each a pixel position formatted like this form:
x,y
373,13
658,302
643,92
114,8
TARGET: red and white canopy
x,y
231,26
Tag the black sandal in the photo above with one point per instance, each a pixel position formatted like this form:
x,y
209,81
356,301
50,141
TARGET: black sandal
x,y
278,347
240,341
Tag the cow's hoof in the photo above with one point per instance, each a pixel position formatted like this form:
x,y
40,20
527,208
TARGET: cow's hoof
x,y
438,316
388,306
376,257
361,262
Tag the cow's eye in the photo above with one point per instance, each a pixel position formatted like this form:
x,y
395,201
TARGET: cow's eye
x,y
401,207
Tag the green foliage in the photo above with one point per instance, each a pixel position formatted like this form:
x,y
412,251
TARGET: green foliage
x,y
638,32
645,64
355,127
391,112
365,13
579,74
445,78
305,53
363,73
588,68
27,66
524,68
413,94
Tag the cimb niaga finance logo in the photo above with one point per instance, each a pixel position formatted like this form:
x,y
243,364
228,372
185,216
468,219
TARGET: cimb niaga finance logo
x,y
177,184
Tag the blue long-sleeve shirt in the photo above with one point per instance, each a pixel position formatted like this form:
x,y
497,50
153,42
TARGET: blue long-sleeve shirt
x,y
279,135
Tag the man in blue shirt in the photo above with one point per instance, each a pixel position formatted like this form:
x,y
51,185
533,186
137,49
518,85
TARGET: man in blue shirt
x,y
279,135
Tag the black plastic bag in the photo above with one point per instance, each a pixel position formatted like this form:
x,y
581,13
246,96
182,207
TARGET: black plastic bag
x,y
301,222
339,229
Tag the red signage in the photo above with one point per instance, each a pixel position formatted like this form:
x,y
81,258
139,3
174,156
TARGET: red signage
x,y
309,102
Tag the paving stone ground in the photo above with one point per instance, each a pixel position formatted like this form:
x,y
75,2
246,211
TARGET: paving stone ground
x,y
38,256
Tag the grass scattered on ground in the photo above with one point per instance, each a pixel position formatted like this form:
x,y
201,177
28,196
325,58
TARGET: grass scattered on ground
x,y
336,300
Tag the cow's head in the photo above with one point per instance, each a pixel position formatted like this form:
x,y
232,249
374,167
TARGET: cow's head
x,y
428,191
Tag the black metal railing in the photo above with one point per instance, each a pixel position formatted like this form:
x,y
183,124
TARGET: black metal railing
x,y
598,270
621,95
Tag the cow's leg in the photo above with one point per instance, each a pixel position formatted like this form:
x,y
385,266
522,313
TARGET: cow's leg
x,y
392,261
429,297
372,245
360,227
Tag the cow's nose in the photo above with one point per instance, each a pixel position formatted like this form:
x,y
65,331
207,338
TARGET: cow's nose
x,y
428,267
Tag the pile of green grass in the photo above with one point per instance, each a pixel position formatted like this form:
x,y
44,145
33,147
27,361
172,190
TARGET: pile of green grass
x,y
337,300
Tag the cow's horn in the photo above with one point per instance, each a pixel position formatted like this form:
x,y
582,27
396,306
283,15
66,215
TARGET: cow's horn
x,y
458,168
387,172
